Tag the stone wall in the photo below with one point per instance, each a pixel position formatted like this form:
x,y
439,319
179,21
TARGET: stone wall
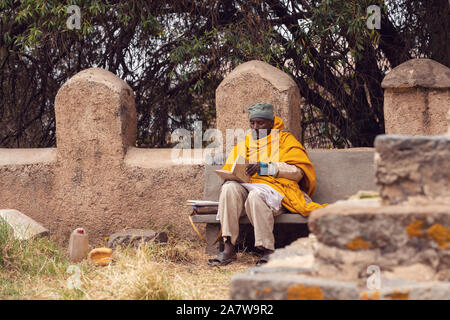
x,y
96,178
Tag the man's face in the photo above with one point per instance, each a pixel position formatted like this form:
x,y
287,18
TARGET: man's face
x,y
260,127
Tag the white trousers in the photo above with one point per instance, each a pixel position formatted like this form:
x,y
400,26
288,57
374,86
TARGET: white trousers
x,y
234,202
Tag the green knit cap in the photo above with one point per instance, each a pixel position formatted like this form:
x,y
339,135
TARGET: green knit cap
x,y
261,110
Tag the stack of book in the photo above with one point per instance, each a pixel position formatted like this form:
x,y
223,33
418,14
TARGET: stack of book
x,y
203,206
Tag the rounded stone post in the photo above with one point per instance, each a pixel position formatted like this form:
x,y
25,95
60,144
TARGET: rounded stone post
x,y
416,98
253,82
95,117
95,125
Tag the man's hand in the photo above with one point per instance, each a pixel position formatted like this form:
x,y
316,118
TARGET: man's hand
x,y
251,169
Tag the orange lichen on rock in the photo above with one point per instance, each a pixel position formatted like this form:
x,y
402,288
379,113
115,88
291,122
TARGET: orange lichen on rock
x,y
358,244
399,295
440,235
414,229
370,296
300,292
267,290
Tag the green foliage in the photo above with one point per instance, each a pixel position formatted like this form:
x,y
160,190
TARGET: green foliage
x,y
37,257
175,53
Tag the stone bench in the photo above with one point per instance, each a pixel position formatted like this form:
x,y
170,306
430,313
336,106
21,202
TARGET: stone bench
x,y
340,174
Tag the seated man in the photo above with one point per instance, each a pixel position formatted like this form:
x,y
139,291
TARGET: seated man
x,y
282,176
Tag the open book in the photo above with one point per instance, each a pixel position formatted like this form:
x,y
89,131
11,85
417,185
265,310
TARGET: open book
x,y
237,172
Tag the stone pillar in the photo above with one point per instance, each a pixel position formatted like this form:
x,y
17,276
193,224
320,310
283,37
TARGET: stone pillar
x,y
95,116
413,170
253,82
416,98
95,125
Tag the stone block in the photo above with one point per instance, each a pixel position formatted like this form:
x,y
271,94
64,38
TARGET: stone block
x,y
282,286
135,237
397,289
413,169
383,235
23,227
352,227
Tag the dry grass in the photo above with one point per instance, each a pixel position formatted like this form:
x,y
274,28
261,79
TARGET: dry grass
x,y
177,270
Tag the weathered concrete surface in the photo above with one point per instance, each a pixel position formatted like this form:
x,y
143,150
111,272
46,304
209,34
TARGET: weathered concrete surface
x,y
413,169
27,156
416,98
380,227
29,188
409,244
291,274
424,73
135,237
298,254
397,289
416,111
282,286
153,198
156,158
253,82
342,173
353,237
23,227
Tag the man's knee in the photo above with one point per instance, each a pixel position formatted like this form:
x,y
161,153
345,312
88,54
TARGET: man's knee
x,y
253,196
230,187
254,200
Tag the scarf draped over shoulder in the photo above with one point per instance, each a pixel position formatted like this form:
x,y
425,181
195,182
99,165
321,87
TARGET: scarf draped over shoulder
x,y
280,146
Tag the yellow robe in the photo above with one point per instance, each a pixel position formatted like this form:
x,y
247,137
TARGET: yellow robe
x,y
280,146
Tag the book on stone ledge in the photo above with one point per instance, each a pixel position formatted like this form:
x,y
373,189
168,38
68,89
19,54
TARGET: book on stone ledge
x,y
237,172
203,206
